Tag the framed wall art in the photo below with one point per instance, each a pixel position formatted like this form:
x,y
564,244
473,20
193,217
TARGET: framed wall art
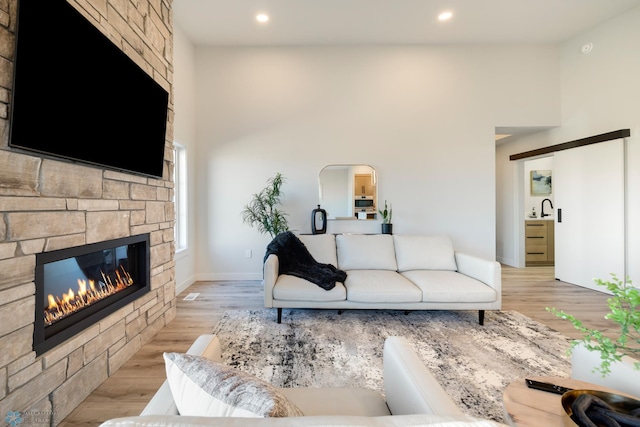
x,y
540,182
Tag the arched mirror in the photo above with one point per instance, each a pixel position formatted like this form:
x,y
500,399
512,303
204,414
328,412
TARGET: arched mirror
x,y
349,191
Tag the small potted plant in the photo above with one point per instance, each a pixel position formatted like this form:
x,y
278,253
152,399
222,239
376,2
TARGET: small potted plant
x,y
624,313
262,212
387,227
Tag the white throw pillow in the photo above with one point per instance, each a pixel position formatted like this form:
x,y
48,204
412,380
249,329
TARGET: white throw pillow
x,y
202,387
415,252
366,252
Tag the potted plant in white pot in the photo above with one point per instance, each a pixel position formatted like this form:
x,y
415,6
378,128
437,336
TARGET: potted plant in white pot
x,y
387,213
263,212
599,359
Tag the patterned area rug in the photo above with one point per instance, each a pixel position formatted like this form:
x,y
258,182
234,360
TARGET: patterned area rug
x,y
321,348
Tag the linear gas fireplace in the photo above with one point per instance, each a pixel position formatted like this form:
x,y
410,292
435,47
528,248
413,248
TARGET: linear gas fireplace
x,y
76,287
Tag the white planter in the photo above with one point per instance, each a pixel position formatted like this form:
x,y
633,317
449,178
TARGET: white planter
x,y
623,377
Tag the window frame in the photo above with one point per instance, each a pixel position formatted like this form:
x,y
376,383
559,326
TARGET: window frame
x,y
180,197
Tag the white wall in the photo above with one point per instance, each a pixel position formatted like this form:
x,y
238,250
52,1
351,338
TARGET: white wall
x,y
423,117
600,93
184,94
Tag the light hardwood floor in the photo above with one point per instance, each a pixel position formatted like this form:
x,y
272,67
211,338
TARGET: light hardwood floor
x,y
527,290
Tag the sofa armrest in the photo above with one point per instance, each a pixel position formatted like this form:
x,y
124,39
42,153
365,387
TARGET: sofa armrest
x,y
270,275
162,402
410,388
484,270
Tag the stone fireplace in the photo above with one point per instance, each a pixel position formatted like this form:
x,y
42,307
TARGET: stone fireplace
x,y
48,205
77,287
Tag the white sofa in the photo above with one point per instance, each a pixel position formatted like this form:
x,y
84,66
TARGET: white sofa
x,y
404,272
413,397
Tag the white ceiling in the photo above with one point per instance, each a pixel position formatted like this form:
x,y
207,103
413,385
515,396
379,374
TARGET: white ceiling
x,y
332,22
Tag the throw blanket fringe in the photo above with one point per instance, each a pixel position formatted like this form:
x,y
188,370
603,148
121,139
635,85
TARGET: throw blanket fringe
x,y
296,260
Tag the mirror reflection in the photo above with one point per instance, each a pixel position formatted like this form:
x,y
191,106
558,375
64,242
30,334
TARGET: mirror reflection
x,y
349,191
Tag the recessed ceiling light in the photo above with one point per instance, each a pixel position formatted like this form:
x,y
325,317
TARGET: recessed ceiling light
x,y
445,16
262,17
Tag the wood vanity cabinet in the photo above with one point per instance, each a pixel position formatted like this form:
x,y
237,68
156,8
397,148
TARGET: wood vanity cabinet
x,y
539,242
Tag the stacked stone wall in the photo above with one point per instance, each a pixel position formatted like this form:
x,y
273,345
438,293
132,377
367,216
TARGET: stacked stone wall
x,y
46,204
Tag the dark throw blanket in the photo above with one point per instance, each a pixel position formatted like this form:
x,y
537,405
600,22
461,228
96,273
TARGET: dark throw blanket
x,y
592,411
295,260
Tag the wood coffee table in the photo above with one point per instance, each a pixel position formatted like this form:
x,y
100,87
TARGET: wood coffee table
x,y
524,406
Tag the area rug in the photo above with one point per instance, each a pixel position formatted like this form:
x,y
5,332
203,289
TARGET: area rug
x,y
321,348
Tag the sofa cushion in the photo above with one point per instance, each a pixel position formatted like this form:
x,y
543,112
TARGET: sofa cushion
x,y
202,387
414,252
337,401
374,286
322,247
366,252
291,288
450,286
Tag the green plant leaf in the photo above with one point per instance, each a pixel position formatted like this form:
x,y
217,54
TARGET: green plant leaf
x,y
626,319
386,213
262,212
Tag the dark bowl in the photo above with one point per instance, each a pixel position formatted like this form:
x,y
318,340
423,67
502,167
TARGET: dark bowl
x,y
619,403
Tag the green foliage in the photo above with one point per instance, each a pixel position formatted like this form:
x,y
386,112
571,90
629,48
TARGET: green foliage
x,y
624,313
262,211
386,213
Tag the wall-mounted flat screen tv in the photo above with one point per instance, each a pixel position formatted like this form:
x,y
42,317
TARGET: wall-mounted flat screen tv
x,y
78,96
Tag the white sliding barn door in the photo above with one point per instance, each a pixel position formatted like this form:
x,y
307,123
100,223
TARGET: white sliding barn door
x,y
588,187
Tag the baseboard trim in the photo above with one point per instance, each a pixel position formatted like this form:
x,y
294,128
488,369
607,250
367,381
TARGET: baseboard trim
x,y
181,287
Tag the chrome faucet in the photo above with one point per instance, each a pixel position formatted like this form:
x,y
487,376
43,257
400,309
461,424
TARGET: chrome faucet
x,y
542,214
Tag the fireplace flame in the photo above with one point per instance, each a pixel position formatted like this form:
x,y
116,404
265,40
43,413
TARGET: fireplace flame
x,y
71,302
82,287
52,302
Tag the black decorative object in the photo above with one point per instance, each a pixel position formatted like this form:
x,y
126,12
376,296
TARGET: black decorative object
x,y
318,221
387,228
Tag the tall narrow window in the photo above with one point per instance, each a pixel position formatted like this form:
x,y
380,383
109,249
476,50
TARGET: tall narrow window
x,y
180,196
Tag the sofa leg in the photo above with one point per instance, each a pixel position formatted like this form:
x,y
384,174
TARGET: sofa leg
x,y
340,311
406,312
481,317
280,315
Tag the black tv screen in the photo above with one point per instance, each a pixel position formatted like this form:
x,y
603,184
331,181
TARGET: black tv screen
x,y
78,96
